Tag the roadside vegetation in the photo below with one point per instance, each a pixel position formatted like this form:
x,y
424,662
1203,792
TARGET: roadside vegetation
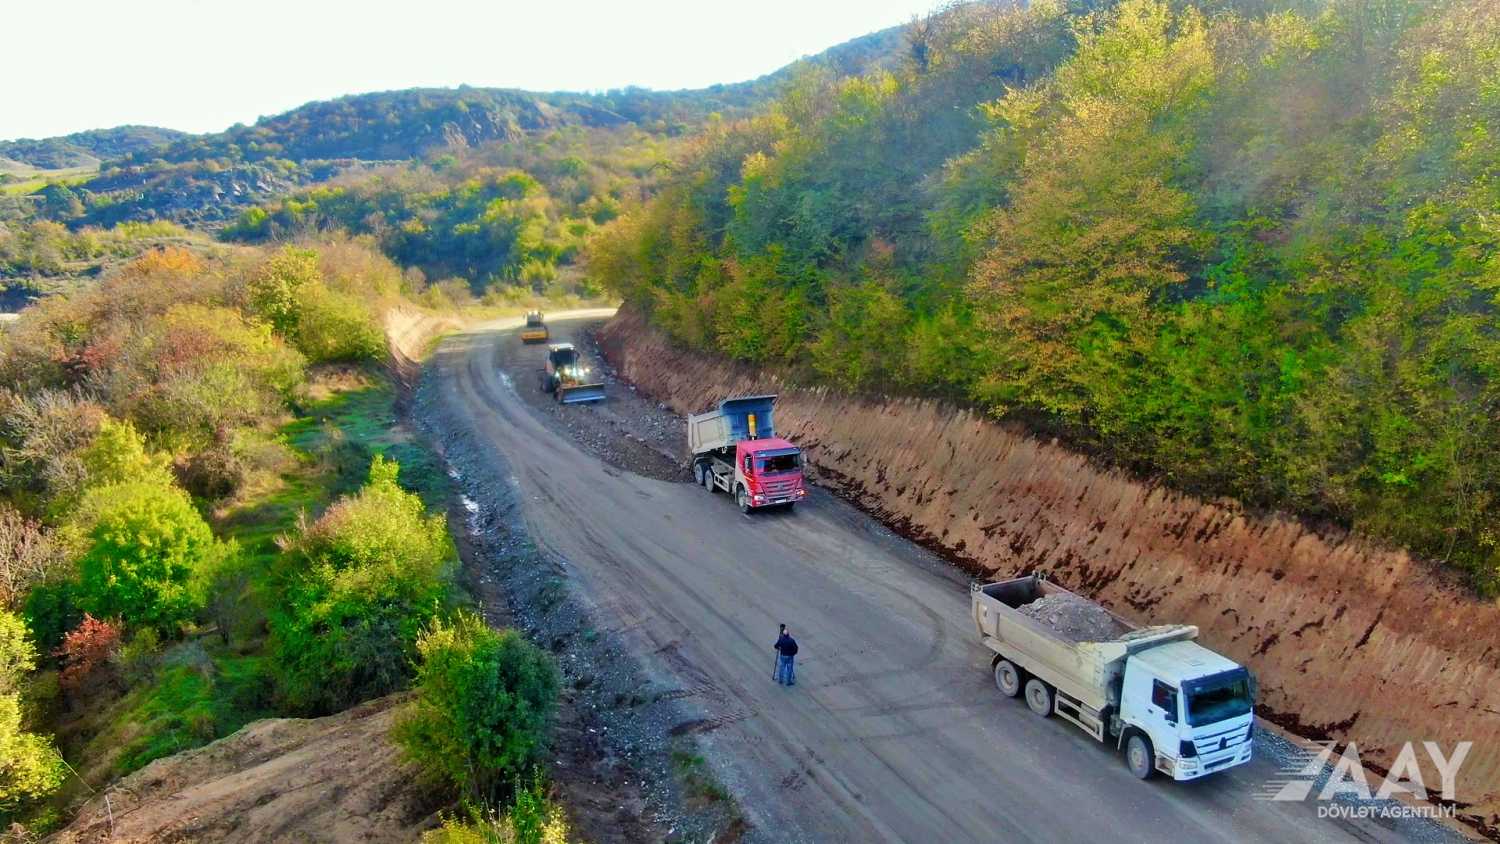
x,y
210,513
1245,245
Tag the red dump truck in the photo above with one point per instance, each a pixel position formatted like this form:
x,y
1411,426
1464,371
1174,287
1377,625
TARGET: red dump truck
x,y
735,449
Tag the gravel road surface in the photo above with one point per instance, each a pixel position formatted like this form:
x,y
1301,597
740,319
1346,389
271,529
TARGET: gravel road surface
x,y
894,731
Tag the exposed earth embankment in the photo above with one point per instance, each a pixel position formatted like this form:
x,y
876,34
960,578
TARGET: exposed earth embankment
x,y
1350,641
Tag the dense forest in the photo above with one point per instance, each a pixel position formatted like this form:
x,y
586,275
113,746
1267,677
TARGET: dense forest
x,y
1245,244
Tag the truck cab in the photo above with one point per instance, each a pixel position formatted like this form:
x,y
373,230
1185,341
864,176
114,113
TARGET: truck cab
x,y
768,473
735,449
1194,705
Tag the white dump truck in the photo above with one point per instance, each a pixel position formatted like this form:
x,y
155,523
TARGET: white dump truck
x,y
1169,703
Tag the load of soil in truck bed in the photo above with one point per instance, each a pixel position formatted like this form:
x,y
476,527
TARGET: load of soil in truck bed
x,y
1075,618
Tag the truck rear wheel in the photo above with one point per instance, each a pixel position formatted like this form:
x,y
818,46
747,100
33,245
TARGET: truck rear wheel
x,y
1140,758
1007,678
1039,697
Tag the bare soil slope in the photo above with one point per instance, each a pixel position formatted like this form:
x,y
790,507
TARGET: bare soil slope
x,y
328,779
1350,641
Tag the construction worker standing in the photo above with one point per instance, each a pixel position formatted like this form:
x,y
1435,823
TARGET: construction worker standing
x,y
786,653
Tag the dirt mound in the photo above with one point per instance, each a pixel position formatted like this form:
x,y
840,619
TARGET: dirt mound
x,y
328,779
1078,619
1349,640
409,330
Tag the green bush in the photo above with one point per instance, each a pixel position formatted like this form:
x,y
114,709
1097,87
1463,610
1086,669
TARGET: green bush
x,y
148,554
533,818
51,610
357,588
484,706
29,766
290,294
336,327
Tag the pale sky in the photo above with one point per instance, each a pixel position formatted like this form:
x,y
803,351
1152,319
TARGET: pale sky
x,y
203,65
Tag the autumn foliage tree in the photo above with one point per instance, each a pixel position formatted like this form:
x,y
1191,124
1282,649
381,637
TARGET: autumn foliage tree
x,y
86,649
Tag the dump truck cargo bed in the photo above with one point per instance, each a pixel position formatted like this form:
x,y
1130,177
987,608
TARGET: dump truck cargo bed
x,y
1049,647
734,420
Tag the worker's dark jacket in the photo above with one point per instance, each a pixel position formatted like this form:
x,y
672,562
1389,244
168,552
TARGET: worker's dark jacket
x,y
786,645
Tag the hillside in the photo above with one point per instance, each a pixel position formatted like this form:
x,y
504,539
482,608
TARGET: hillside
x,y
1242,246
86,149
205,180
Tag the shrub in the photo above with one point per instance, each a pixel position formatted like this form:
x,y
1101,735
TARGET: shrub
x,y
41,436
30,767
483,709
326,325
336,327
51,610
28,556
532,819
17,655
138,657
86,649
275,289
148,552
197,370
118,454
214,473
358,586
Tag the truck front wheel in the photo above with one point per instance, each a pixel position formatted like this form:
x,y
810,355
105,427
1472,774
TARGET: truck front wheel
x,y
1039,697
743,499
1007,678
1140,758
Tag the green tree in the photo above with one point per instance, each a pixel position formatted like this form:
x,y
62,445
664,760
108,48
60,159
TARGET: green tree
x,y
148,553
483,708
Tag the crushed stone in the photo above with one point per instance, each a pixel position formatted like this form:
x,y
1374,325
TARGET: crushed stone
x,y
1075,618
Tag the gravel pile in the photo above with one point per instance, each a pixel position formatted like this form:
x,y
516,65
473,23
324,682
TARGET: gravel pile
x,y
1075,618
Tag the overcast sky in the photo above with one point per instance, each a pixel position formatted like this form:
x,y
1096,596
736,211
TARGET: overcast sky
x,y
203,65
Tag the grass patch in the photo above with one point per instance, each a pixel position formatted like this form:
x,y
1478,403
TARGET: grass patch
x,y
196,696
699,784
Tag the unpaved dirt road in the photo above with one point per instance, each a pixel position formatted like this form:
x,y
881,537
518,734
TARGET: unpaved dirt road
x,y
894,731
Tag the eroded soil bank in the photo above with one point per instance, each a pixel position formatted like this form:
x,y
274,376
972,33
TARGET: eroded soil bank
x,y
1350,641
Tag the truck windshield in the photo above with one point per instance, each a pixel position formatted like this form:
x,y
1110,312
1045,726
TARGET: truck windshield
x,y
783,462
567,357
1217,698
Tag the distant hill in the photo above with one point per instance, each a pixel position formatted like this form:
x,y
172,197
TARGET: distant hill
x,y
87,149
408,123
205,180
